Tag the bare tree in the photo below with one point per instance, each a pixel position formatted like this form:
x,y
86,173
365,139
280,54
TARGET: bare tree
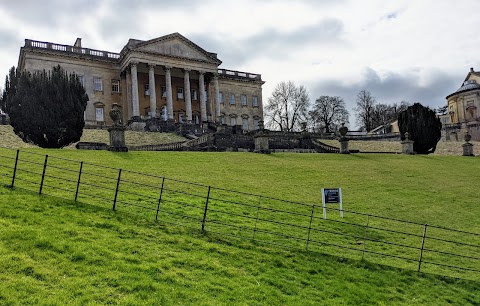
x,y
287,107
328,113
386,113
365,110
441,110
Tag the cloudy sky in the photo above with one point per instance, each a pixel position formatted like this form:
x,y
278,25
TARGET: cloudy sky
x,y
417,51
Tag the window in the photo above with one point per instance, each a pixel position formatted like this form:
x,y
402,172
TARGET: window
x,y
232,99
245,124
81,78
255,101
115,86
181,118
193,94
164,91
243,99
179,93
233,121
255,124
99,114
220,97
164,113
97,84
146,87
196,119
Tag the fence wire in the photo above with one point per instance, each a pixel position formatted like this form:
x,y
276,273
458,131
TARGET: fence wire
x,y
246,216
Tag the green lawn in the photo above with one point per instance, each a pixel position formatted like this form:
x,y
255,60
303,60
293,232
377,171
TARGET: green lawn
x,y
55,252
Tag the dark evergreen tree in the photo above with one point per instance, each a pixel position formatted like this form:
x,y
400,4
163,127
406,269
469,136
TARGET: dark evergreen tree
x,y
423,127
45,108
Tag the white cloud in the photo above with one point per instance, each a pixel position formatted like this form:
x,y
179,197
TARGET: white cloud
x,y
334,47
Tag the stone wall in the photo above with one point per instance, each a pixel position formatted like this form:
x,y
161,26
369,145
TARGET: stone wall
x,y
107,71
238,88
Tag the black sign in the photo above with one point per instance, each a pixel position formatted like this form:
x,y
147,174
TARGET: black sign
x,y
331,195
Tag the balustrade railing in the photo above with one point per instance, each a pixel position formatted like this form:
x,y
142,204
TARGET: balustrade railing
x,y
71,49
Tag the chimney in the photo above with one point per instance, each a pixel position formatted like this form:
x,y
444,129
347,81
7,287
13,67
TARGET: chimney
x,y
78,43
471,70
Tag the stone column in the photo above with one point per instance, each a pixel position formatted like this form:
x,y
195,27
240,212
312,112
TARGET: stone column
x,y
168,80
151,88
135,105
209,101
128,77
261,140
407,145
187,95
203,102
217,98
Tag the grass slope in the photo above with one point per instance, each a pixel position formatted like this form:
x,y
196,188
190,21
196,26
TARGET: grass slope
x,y
132,138
439,190
54,252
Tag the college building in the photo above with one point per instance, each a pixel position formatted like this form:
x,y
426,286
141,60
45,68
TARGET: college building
x,y
169,80
463,109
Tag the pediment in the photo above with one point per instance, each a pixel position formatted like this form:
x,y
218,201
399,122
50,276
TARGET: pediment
x,y
177,46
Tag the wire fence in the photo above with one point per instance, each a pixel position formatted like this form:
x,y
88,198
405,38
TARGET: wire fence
x,y
241,215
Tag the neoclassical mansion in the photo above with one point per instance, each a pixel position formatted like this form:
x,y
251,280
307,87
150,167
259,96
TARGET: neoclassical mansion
x,y
169,77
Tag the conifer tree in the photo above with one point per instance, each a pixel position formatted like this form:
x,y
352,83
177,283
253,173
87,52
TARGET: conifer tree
x,y
423,127
45,108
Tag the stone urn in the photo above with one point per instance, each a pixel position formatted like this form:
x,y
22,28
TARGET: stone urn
x,y
467,137
343,139
116,116
117,131
303,126
343,130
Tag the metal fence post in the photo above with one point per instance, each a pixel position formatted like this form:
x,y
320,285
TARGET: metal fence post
x,y
43,174
78,181
205,212
423,244
15,170
256,218
365,236
309,227
116,189
160,199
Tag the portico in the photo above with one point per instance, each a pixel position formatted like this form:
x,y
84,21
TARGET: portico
x,y
166,60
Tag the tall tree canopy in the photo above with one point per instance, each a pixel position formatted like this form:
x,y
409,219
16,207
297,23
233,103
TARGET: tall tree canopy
x,y
423,127
45,108
328,113
385,113
371,114
287,107
365,110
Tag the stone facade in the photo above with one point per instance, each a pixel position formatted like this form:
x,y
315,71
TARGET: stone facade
x,y
169,78
464,109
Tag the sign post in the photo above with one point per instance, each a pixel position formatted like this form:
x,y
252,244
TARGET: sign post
x,y
331,196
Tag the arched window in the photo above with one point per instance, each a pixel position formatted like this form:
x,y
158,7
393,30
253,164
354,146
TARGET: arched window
x,y
245,122
164,113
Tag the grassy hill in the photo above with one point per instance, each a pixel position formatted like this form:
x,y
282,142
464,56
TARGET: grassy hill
x,y
10,140
56,252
